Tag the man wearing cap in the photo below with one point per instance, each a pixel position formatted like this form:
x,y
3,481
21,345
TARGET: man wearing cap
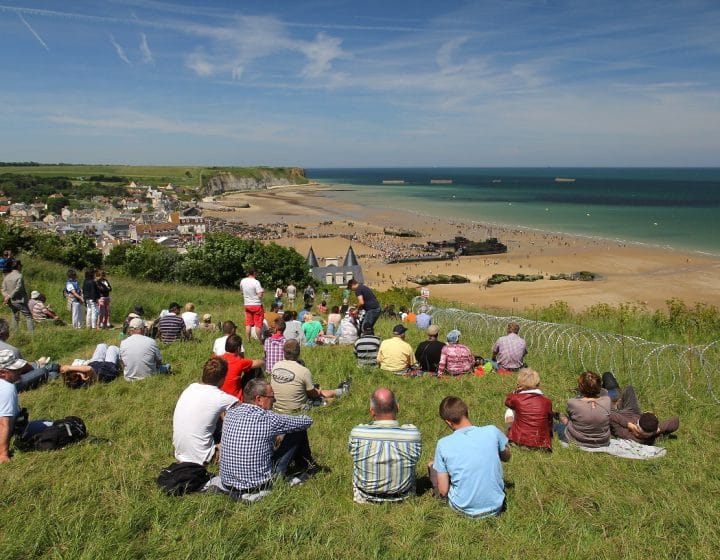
x,y
252,298
395,354
40,311
171,326
427,354
455,358
140,354
384,453
510,350
21,372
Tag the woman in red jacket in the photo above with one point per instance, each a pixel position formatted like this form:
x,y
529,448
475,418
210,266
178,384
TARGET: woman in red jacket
x,y
530,413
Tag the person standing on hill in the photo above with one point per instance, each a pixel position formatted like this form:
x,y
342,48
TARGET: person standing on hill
x,y
367,301
104,289
252,298
74,296
14,293
291,292
91,294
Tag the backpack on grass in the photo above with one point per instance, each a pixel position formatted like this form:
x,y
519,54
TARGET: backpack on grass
x,y
182,478
59,434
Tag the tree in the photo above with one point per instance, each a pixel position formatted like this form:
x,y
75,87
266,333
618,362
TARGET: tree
x,y
80,251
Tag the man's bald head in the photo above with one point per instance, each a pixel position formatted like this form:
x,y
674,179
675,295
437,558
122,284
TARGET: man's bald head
x,y
383,405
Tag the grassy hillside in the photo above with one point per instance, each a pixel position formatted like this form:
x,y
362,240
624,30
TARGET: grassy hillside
x,y
99,500
153,174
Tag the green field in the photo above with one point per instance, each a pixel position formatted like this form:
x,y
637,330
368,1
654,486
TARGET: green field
x,y
99,499
188,176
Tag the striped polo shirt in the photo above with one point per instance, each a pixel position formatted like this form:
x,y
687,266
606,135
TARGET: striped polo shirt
x,y
384,457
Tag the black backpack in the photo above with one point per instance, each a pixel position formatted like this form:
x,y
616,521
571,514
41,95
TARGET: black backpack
x,y
182,478
59,434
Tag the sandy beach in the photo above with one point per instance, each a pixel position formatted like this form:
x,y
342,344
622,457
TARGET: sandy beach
x,y
628,272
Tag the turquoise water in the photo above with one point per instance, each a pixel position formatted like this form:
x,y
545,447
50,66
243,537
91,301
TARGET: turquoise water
x,y
678,208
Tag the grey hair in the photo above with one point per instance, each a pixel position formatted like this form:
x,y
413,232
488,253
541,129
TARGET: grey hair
x,y
255,388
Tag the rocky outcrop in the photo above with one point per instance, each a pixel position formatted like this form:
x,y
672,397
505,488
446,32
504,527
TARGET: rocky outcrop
x,y
227,181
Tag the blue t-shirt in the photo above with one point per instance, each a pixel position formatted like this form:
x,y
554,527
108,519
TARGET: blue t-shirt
x,y
369,299
8,399
471,457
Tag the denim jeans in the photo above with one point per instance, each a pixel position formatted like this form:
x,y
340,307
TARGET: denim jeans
x,y
33,378
295,447
371,317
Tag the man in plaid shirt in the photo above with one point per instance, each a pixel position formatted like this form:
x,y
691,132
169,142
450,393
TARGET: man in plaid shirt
x,y
509,350
248,463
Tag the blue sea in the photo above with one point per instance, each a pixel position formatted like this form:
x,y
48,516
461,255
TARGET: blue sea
x,y
668,207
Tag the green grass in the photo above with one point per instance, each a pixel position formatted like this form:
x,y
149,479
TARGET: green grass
x,y
99,500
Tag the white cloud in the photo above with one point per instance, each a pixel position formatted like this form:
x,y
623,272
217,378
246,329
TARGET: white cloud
x,y
198,63
120,51
320,54
147,56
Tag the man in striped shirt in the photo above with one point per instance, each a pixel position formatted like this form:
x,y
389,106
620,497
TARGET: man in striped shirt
x,y
384,453
171,326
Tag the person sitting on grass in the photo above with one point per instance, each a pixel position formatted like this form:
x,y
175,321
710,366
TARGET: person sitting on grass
x,y
529,416
384,453
240,369
274,344
42,312
467,468
347,332
312,329
171,326
207,323
396,355
587,422
509,351
293,327
228,328
190,317
366,348
198,415
629,422
140,354
455,358
251,461
293,384
102,366
428,352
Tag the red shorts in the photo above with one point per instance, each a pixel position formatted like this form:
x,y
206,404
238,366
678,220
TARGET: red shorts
x,y
254,316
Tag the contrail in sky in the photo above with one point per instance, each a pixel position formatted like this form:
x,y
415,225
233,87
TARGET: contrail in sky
x,y
120,51
33,31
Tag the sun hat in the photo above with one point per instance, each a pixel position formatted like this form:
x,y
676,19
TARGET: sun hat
x,y
34,294
136,323
9,361
453,336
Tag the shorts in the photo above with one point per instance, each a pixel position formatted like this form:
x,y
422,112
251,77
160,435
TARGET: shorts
x,y
254,316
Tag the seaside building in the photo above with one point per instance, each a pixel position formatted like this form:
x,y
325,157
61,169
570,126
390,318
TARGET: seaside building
x,y
332,272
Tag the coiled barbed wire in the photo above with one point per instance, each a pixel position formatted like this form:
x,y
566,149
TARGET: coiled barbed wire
x,y
692,368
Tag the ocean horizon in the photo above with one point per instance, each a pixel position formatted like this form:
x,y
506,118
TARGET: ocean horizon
x,y
667,207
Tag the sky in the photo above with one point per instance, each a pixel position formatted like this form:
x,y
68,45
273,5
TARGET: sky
x,y
361,83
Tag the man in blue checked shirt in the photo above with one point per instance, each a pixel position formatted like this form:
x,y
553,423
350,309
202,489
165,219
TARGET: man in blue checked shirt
x,y
384,453
248,463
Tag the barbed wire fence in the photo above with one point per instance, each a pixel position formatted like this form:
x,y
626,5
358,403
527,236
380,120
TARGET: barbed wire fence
x,y
692,368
